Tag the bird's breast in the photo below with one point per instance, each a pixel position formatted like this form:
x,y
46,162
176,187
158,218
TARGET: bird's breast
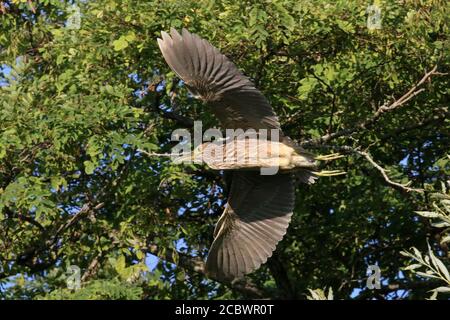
x,y
253,154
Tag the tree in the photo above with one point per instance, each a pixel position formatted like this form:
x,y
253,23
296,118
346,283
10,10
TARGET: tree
x,y
86,94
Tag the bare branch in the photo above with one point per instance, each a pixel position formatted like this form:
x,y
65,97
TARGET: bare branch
x,y
375,117
395,185
92,268
368,157
85,209
156,154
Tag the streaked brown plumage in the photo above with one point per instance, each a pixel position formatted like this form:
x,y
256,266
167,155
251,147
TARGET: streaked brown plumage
x,y
259,207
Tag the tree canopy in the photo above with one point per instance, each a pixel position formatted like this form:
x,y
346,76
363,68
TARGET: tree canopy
x,y
87,103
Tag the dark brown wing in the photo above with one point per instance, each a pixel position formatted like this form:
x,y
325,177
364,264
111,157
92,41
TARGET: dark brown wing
x,y
210,76
255,219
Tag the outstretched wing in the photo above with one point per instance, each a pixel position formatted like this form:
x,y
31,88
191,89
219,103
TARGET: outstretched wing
x,y
210,76
255,219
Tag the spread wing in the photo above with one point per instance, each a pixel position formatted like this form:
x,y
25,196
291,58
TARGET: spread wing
x,y
210,76
255,219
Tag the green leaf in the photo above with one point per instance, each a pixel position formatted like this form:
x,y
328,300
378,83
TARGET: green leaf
x,y
130,37
445,239
120,266
427,214
441,267
412,266
427,275
181,275
120,44
442,289
89,167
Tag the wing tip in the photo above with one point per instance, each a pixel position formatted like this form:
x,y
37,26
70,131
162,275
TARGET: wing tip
x,y
164,34
165,39
185,33
217,270
174,33
254,241
160,43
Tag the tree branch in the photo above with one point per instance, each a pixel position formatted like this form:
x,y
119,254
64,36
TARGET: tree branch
x,y
197,265
395,185
185,121
92,268
366,124
85,209
155,106
29,256
368,157
278,271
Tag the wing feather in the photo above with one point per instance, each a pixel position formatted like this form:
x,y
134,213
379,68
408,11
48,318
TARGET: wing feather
x,y
212,77
255,219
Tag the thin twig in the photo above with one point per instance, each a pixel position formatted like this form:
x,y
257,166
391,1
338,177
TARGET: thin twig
x,y
85,209
92,268
396,185
155,154
368,157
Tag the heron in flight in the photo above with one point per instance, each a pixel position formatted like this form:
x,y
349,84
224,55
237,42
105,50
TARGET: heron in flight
x,y
259,207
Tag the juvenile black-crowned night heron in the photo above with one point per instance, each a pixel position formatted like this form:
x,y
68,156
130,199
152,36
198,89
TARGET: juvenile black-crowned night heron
x,y
259,207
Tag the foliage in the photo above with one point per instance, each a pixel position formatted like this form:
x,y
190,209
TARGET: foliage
x,y
434,267
319,294
76,105
99,289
